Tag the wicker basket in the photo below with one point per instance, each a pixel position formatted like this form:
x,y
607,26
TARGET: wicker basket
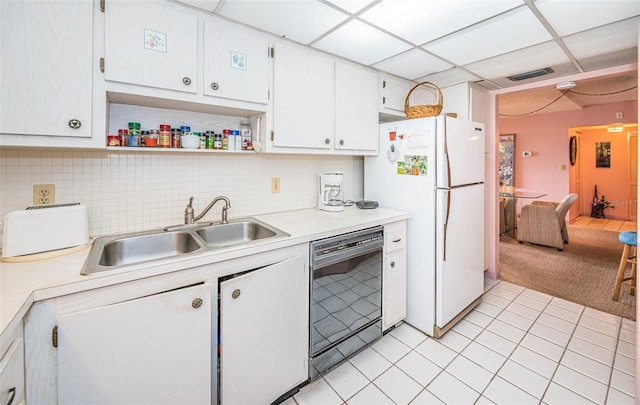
x,y
425,110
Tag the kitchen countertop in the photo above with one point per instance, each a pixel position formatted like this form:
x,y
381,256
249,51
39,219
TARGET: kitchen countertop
x,y
22,284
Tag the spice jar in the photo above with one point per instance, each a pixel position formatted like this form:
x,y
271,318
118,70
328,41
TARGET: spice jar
x,y
175,137
151,140
134,134
113,140
165,136
226,133
124,137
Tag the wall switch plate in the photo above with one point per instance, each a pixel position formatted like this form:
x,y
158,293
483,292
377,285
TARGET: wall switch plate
x,y
275,184
44,194
619,115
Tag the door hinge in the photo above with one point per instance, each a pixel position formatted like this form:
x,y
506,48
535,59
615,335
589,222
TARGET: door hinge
x,y
54,336
384,84
272,136
102,5
384,100
272,52
102,65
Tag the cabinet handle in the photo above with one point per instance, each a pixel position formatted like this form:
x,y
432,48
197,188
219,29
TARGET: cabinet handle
x,y
12,395
186,80
235,294
393,264
397,240
196,303
341,142
327,141
215,86
75,124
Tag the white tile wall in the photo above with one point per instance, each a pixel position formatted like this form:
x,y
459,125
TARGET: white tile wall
x,y
137,190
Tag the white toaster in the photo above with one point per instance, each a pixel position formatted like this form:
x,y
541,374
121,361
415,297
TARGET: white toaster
x,y
42,229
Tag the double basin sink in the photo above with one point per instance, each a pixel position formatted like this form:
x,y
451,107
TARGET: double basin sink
x,y
118,251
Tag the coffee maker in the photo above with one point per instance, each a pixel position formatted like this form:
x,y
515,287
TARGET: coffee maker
x,y
329,192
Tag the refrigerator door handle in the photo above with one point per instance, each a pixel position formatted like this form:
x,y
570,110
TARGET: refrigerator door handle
x,y
446,225
446,154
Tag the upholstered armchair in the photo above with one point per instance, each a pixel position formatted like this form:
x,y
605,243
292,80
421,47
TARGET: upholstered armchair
x,y
506,214
543,222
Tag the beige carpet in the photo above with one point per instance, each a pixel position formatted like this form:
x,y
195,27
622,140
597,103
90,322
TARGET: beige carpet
x,y
584,272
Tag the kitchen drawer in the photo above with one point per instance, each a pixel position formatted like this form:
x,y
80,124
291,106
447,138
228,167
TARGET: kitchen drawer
x,y
395,236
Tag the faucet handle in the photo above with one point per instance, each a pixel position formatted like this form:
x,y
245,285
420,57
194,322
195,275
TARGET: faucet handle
x,y
190,201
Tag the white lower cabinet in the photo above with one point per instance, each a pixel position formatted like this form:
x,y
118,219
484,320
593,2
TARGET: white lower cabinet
x,y
151,350
264,332
394,275
12,389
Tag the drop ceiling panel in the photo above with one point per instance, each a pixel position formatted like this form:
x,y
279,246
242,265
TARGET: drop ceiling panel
x,y
520,61
566,18
412,64
362,43
508,32
301,21
420,21
207,5
449,77
352,6
610,38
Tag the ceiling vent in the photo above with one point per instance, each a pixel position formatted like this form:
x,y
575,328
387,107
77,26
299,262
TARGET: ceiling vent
x,y
529,75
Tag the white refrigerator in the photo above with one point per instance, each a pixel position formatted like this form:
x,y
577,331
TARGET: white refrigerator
x,y
433,168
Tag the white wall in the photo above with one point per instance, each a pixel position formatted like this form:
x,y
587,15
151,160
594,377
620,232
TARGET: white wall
x,y
132,191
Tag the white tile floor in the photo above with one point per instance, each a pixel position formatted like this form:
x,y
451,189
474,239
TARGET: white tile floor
x,y
518,347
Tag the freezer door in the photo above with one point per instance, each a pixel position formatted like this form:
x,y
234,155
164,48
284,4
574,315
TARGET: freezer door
x,y
459,250
460,152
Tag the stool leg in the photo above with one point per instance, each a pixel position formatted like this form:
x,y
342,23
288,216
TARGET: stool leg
x,y
621,269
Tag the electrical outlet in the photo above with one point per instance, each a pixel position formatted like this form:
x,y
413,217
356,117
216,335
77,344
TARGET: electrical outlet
x,y
619,114
44,194
275,184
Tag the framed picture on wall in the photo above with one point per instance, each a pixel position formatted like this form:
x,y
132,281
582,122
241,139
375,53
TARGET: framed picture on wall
x,y
603,154
507,149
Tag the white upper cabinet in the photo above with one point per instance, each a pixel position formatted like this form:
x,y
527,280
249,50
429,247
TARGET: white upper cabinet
x,y
321,104
356,108
393,91
151,43
236,64
46,69
303,98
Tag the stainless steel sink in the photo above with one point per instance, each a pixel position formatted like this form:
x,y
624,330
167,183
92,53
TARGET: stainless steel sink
x,y
235,233
118,251
145,248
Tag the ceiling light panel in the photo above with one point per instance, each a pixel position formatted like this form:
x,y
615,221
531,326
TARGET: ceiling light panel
x,y
351,6
413,64
610,38
301,21
508,32
449,77
361,43
569,17
420,21
207,5
522,60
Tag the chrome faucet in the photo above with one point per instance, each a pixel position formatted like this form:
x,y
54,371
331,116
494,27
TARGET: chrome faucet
x,y
188,212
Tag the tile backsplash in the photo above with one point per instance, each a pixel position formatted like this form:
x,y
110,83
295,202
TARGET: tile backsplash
x,y
137,190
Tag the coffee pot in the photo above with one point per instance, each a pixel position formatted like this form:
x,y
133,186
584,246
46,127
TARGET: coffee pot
x,y
330,197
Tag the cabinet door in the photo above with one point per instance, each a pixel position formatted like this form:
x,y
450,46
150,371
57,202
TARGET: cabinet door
x,y
394,294
151,43
152,350
303,98
46,49
12,373
236,64
264,333
356,108
394,92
